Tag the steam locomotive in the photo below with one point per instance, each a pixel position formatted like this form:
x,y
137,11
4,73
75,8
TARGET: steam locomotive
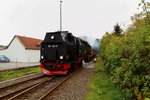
x,y
60,51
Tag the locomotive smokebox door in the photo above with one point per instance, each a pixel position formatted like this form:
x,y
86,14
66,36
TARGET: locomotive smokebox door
x,y
54,47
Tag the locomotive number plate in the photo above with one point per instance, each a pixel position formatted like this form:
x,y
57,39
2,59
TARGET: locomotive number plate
x,y
52,46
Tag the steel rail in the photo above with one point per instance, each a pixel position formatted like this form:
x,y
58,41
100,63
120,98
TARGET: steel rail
x,y
17,91
14,92
59,84
21,82
30,89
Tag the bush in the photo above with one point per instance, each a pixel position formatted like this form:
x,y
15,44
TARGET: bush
x,y
127,58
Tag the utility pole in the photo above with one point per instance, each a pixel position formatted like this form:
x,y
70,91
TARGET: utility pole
x,y
60,15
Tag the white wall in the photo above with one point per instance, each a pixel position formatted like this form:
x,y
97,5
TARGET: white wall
x,y
15,52
32,55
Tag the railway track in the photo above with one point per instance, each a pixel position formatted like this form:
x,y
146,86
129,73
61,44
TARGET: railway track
x,y
45,97
38,89
10,90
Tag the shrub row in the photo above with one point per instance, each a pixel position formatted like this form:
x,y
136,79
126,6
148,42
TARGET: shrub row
x,y
127,58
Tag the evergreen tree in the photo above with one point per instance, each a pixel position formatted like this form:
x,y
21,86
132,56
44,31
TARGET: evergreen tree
x,y
117,29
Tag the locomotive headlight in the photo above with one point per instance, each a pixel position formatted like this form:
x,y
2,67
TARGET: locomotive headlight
x,y
42,57
52,37
61,57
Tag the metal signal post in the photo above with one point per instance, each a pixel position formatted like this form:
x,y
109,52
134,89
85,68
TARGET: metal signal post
x,y
60,15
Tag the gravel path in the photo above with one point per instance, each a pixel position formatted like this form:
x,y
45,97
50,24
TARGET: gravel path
x,y
76,87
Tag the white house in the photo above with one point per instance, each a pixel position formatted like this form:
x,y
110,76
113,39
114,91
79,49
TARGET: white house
x,y
22,49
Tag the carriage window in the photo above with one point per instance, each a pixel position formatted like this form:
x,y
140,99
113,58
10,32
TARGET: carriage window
x,y
80,42
63,36
75,40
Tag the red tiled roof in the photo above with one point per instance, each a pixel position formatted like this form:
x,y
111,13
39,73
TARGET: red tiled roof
x,y
29,43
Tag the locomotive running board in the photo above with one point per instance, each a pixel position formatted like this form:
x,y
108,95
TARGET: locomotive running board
x,y
48,72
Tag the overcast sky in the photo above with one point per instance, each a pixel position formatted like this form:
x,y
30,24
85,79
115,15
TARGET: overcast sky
x,y
34,18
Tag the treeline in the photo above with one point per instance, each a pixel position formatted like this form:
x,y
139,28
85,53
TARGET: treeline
x,y
126,57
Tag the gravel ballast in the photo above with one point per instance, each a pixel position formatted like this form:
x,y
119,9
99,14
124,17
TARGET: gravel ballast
x,y
75,88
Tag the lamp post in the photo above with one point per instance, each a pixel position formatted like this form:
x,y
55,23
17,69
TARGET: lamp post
x,y
60,15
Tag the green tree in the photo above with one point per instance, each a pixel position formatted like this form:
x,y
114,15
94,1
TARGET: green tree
x,y
146,9
117,29
126,58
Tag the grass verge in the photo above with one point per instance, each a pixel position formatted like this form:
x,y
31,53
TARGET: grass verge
x,y
101,87
7,75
